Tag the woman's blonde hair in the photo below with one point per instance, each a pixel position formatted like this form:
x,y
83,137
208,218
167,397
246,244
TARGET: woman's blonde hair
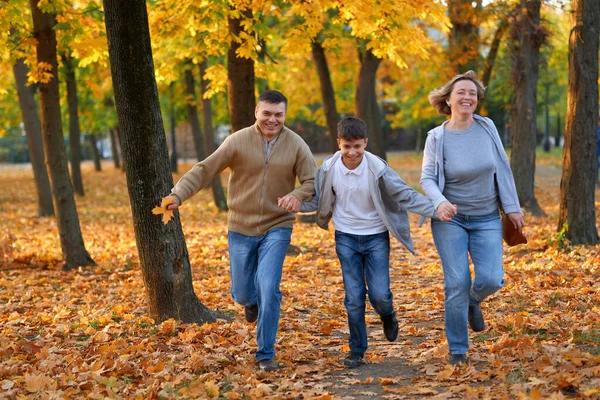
x,y
438,97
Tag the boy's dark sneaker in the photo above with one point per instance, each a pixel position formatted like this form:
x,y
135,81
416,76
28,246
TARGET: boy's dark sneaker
x,y
390,327
251,312
353,360
456,359
476,321
268,365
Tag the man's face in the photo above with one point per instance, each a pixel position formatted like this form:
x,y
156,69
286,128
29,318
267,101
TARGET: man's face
x,y
352,151
270,118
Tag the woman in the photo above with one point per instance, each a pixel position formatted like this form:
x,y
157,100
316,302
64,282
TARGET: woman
x,y
465,169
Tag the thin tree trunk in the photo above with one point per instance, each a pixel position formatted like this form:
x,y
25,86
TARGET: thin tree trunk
x,y
527,38
95,152
33,132
240,86
74,129
366,101
163,253
579,155
71,240
490,60
463,38
190,87
173,137
114,149
209,139
327,93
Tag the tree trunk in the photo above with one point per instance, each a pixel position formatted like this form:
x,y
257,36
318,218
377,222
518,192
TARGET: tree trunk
x,y
240,85
463,38
71,240
172,121
527,38
74,129
366,101
163,253
33,132
327,93
95,153
209,139
190,87
579,155
490,60
114,149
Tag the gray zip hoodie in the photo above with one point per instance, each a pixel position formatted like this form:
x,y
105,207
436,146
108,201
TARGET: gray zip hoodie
x,y
391,195
433,178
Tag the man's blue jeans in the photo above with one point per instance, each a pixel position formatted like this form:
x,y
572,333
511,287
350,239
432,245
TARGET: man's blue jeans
x,y
481,237
256,265
364,258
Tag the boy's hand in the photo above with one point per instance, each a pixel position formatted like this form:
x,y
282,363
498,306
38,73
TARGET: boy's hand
x,y
446,211
173,205
290,203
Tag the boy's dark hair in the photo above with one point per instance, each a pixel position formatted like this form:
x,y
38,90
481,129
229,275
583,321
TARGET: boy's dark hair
x,y
351,128
273,97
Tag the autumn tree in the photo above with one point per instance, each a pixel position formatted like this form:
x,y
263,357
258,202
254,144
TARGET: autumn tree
x,y
163,253
577,213
327,92
463,38
71,239
74,128
527,37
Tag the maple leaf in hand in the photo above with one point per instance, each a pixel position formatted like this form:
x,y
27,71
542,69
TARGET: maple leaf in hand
x,y
167,214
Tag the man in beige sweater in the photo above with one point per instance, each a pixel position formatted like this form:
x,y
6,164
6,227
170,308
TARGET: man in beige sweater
x,y
265,159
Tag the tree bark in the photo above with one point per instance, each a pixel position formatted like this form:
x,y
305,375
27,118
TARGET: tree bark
x,y
463,38
240,85
209,139
114,149
365,104
579,155
526,39
172,121
71,240
95,152
33,132
74,129
163,253
327,93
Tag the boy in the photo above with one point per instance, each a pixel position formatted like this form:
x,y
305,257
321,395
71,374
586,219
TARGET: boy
x,y
366,199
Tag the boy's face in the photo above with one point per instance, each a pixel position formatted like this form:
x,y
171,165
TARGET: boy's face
x,y
352,151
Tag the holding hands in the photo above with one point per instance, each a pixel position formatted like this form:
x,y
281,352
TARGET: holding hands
x,y
290,203
446,211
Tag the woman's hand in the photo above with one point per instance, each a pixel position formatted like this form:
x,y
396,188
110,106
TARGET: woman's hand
x,y
446,211
517,220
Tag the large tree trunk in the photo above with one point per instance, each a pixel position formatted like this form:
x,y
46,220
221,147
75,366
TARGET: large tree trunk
x,y
95,152
209,139
33,131
327,93
527,38
365,103
74,130
114,148
163,254
240,85
463,38
190,87
579,155
71,240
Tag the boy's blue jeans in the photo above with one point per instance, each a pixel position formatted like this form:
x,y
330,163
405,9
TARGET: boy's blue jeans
x,y
481,237
365,261
256,266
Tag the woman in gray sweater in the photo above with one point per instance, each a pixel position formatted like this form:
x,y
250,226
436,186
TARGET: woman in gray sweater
x,y
465,166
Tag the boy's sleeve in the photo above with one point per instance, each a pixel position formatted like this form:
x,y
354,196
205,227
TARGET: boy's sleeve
x,y
409,198
313,204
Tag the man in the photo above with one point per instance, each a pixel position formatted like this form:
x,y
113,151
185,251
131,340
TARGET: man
x,y
265,159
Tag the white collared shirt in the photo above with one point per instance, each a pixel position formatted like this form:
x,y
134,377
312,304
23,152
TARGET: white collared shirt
x,y
354,211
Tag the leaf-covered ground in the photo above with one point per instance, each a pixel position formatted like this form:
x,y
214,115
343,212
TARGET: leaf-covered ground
x,y
85,334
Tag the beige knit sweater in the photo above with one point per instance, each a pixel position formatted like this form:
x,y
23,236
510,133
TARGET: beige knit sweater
x,y
254,185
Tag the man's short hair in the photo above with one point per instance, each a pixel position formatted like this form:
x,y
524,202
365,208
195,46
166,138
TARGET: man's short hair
x,y
273,97
351,128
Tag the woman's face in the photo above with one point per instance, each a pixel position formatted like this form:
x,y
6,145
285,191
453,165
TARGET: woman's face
x,y
463,98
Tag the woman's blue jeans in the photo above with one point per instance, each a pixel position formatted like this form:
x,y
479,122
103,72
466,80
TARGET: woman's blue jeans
x,y
464,235
364,258
256,263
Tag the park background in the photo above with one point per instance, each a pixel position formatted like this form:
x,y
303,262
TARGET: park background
x,y
91,305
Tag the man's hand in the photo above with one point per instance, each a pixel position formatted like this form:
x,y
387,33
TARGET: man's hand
x,y
517,220
173,205
290,203
446,211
